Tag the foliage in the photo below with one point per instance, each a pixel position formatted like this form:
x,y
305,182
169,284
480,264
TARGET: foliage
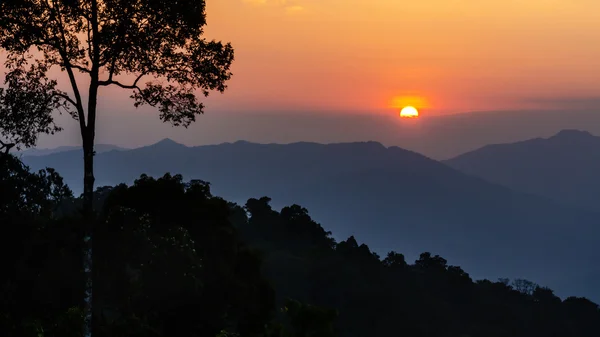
x,y
171,261
41,286
308,320
26,106
156,40
168,255
27,194
389,297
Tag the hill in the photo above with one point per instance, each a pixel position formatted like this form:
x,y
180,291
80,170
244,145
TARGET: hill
x,y
563,167
391,198
171,259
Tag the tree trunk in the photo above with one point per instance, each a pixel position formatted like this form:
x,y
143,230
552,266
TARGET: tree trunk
x,y
88,134
89,220
88,176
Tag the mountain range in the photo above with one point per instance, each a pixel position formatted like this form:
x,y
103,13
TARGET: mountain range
x,y
392,198
564,167
99,148
440,136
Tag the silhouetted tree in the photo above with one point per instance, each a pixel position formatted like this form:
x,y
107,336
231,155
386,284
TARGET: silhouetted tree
x,y
395,260
308,320
129,41
41,284
171,264
524,286
24,193
26,106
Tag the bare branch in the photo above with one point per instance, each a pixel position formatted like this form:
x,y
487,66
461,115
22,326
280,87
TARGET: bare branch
x,y
67,98
80,68
124,86
79,102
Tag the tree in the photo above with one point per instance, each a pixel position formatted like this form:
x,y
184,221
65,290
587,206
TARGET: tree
x,y
394,260
112,43
41,284
26,107
170,263
26,194
307,320
524,286
159,40
431,263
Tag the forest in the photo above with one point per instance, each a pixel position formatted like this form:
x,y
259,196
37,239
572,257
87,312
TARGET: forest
x,y
171,259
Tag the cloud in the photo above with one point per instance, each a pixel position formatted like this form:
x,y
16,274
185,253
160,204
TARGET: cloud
x,y
256,2
290,6
294,9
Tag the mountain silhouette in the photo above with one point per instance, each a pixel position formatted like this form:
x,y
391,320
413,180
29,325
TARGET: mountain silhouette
x,y
166,143
40,152
563,167
391,198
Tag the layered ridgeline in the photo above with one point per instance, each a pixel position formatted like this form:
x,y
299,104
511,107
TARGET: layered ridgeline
x,y
564,167
99,148
391,198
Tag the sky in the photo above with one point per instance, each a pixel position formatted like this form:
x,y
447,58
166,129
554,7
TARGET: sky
x,y
445,55
342,62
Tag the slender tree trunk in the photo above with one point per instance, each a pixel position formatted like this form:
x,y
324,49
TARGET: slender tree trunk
x,y
88,205
89,220
88,135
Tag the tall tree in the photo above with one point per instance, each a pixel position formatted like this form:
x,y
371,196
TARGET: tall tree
x,y
154,48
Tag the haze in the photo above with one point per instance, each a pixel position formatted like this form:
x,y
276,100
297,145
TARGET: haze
x,y
328,62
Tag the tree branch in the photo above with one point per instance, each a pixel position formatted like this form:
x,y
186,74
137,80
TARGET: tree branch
x,y
67,64
119,84
6,146
80,68
78,103
112,69
67,98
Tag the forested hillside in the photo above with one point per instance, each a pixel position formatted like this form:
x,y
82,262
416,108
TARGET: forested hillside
x,y
387,197
171,259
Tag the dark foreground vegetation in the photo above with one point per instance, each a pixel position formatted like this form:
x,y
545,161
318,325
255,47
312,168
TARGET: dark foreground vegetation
x,y
171,260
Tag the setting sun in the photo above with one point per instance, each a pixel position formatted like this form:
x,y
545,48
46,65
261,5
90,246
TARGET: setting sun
x,y
409,112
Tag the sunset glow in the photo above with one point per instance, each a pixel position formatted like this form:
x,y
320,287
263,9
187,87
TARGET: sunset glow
x,y
413,100
333,55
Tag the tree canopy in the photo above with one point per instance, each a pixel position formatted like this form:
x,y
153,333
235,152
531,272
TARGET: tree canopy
x,y
154,48
26,107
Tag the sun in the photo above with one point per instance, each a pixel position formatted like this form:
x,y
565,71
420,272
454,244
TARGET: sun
x,y
409,112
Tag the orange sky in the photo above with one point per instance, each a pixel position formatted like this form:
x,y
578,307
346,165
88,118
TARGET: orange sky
x,y
458,55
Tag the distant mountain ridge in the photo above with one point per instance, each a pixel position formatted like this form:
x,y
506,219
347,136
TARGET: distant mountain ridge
x,y
42,152
394,199
564,167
